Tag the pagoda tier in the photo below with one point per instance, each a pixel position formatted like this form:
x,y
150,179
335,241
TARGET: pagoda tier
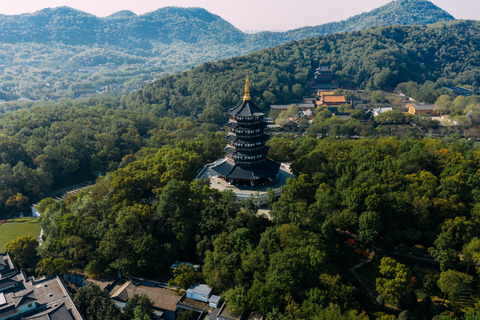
x,y
254,140
244,127
246,156
246,153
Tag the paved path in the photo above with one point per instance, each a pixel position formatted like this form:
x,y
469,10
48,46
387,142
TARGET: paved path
x,y
359,265
40,238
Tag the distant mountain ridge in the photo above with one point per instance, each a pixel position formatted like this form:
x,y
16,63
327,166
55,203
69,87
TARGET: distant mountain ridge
x,y
73,27
191,25
63,52
122,14
400,12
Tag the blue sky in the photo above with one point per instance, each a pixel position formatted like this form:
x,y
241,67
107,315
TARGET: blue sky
x,y
246,14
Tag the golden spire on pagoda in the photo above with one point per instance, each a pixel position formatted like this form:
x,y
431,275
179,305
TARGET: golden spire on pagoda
x,y
246,97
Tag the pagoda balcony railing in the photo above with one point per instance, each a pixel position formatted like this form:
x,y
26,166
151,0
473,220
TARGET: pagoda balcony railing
x,y
243,135
246,148
249,162
246,119
246,123
247,131
237,161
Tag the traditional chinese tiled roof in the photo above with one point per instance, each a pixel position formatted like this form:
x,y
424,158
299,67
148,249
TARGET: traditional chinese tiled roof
x,y
245,153
334,98
246,109
235,139
228,169
235,125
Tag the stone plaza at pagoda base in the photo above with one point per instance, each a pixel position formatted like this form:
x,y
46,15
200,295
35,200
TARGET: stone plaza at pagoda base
x,y
245,191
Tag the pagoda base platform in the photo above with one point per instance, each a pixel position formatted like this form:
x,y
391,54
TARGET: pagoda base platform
x,y
244,175
242,191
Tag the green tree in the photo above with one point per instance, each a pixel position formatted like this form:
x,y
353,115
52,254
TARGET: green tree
x,y
369,225
237,300
292,110
334,311
393,117
472,315
282,119
346,220
471,253
405,315
95,304
95,268
395,281
50,266
297,90
213,115
24,252
269,97
445,252
345,108
184,277
443,104
135,302
459,104
140,315
188,315
377,96
271,197
45,204
273,114
453,284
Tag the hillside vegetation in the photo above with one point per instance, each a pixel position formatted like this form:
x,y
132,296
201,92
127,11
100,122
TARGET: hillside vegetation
x,y
378,58
414,197
56,53
48,147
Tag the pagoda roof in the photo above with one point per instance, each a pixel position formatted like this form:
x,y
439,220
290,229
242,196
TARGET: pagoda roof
x,y
246,109
245,153
334,98
233,138
235,125
229,169
326,72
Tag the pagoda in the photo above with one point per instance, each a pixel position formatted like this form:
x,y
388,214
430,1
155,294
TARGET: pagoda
x,y
323,74
246,160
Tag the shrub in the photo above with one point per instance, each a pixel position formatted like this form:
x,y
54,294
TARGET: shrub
x,y
419,250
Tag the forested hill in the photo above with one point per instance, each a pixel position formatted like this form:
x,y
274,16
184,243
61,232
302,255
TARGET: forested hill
x,y
378,58
400,12
192,25
73,27
63,52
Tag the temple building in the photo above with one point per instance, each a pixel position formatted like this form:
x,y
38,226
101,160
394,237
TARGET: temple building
x,y
246,160
323,74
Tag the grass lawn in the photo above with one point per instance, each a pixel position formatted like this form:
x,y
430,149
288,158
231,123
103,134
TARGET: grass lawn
x,y
12,229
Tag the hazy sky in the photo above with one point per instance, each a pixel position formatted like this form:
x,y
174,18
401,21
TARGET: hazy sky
x,y
246,14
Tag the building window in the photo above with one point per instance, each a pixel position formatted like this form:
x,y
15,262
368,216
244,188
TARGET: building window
x,y
29,305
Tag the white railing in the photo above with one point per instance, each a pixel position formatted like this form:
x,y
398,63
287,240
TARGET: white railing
x,y
262,197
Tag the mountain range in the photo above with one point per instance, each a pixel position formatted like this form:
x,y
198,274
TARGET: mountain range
x,y
63,52
191,25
